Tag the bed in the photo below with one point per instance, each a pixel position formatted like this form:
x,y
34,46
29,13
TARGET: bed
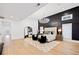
x,y
50,33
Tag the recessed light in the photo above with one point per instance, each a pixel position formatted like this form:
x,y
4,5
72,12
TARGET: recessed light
x,y
11,16
38,4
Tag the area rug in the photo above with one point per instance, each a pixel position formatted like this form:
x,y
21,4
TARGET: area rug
x,y
45,47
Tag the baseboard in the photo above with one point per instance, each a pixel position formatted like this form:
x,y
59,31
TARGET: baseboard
x,y
72,41
18,39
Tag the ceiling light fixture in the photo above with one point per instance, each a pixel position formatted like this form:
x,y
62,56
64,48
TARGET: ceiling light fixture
x,y
38,4
44,20
11,16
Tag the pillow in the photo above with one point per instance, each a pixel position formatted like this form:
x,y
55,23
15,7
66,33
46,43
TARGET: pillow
x,y
51,32
48,32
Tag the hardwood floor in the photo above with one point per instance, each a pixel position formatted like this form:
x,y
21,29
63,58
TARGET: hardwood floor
x,y
66,48
19,47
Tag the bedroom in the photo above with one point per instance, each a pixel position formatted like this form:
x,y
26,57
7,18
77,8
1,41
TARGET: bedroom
x,y
49,29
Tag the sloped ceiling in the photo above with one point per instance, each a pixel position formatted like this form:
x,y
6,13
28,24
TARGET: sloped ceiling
x,y
52,8
18,11
21,11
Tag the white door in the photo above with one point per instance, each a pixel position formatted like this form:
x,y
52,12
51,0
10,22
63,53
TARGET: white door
x,y
67,31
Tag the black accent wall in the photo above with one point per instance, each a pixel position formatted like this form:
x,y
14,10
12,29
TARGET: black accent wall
x,y
55,20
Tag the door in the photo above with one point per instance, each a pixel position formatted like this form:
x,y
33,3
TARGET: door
x,y
67,31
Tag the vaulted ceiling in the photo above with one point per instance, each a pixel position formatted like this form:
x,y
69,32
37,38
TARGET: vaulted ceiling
x,y
18,11
52,8
21,11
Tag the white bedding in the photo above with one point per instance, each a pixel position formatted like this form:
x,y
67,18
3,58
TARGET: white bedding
x,y
50,36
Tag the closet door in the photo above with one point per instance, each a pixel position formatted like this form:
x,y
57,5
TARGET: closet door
x,y
67,31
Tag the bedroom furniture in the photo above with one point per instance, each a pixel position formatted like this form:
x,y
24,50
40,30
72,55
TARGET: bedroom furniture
x,y
40,38
59,37
35,37
43,39
50,33
1,48
59,31
27,31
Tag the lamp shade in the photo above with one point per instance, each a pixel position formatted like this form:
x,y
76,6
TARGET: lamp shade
x,y
59,30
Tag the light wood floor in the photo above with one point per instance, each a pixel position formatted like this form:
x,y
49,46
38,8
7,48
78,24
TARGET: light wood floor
x,y
19,47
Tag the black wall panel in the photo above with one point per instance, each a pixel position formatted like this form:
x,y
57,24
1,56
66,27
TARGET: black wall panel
x,y
55,20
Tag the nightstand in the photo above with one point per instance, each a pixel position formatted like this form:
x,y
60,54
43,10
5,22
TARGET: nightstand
x,y
59,37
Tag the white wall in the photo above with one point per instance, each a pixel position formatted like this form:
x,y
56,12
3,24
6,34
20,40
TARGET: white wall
x,y
17,30
32,23
5,28
17,27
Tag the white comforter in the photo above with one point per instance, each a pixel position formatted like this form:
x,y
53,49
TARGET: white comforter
x,y
50,37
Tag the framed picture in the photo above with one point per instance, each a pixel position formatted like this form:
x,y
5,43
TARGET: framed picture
x,y
67,17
